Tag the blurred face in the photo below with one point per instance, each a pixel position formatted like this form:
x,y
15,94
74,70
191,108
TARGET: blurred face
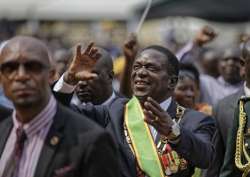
x,y
25,76
230,69
210,64
97,90
149,76
185,92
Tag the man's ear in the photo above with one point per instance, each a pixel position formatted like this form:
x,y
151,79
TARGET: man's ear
x,y
172,81
53,75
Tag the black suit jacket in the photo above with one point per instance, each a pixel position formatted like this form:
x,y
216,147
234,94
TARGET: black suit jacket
x,y
196,133
4,112
84,148
224,116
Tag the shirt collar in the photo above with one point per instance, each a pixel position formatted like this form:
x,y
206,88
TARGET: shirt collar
x,y
246,90
76,100
109,99
39,121
222,81
165,104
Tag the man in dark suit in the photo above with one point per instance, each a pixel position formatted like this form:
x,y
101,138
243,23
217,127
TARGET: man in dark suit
x,y
229,167
224,115
42,138
174,128
99,90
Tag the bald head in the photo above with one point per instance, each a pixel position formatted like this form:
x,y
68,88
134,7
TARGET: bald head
x,y
26,74
23,45
105,62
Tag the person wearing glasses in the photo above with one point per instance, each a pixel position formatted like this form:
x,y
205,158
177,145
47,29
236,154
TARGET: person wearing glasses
x,y
42,137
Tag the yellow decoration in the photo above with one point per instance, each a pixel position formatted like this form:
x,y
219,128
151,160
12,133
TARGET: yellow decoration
x,y
240,145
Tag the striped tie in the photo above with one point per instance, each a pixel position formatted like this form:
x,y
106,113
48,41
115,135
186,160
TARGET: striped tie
x,y
12,164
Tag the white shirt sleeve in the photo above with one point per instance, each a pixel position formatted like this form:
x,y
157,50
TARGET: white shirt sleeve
x,y
187,48
63,87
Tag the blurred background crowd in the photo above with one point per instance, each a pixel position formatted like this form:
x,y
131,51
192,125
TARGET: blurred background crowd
x,y
205,35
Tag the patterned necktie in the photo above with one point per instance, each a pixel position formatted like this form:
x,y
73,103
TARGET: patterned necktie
x,y
13,162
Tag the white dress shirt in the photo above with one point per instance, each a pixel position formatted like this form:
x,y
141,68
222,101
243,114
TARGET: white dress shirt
x,y
246,90
63,87
164,105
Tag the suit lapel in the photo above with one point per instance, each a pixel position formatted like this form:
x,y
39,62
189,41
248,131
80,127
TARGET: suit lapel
x,y
51,144
172,112
240,93
5,129
116,112
172,109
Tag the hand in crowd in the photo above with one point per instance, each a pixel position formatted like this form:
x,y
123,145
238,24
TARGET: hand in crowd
x,y
130,48
157,117
82,64
205,35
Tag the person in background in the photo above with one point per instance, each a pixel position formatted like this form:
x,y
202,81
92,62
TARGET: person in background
x,y
187,90
4,101
209,62
225,121
190,53
99,90
229,81
214,89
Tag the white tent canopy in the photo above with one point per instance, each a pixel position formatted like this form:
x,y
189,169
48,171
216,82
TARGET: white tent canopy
x,y
68,9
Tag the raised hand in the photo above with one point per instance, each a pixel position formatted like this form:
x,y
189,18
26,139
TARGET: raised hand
x,y
82,64
157,117
205,35
130,48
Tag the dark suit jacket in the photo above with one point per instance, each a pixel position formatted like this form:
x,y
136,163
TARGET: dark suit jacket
x,y
84,148
224,115
195,144
4,112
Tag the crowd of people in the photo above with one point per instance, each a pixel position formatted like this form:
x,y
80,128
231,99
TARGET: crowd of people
x,y
182,114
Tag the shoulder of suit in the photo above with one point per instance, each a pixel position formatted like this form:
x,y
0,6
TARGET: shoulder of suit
x,y
119,101
230,99
4,113
190,113
77,121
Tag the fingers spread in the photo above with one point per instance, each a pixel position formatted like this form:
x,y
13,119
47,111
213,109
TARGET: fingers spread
x,y
92,52
89,47
98,55
78,50
155,104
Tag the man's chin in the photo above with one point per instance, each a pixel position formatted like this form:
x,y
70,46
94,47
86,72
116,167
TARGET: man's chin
x,y
25,103
141,97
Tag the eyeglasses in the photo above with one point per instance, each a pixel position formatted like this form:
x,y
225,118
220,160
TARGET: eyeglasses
x,y
10,69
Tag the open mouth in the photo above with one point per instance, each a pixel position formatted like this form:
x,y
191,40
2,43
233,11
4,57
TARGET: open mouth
x,y
84,94
141,83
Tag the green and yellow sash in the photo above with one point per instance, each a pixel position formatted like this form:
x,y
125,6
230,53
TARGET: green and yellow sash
x,y
142,140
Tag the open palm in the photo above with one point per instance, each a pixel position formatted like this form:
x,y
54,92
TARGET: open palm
x,y
83,63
